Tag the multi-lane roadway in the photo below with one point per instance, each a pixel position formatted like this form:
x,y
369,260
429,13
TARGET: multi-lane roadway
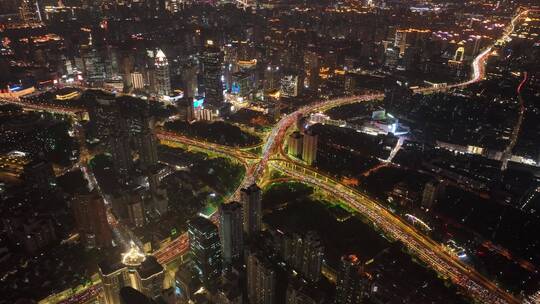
x,y
428,251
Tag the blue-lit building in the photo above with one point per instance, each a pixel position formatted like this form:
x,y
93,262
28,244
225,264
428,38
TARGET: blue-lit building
x,y
205,249
242,84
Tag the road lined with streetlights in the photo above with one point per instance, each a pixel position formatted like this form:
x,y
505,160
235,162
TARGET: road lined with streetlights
x,y
427,250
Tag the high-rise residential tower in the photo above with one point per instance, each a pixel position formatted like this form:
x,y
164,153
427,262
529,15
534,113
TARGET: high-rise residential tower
x,y
231,232
309,147
251,200
261,280
351,281
162,77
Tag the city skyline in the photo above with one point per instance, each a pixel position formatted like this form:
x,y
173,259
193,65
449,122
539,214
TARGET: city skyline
x,y
269,152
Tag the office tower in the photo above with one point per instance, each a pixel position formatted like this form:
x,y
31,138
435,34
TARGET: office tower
x,y
305,254
93,64
261,280
231,231
205,248
309,147
212,60
162,78
135,270
241,83
351,281
186,109
91,219
252,210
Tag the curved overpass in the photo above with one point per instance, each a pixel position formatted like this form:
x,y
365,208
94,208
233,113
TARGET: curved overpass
x,y
476,285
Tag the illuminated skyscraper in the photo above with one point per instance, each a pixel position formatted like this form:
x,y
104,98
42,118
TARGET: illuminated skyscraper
x,y
137,80
93,64
294,144
459,54
291,85
205,248
309,147
231,231
212,60
136,270
162,78
252,209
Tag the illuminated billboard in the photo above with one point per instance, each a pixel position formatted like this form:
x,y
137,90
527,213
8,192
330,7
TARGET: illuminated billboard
x,y
198,102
